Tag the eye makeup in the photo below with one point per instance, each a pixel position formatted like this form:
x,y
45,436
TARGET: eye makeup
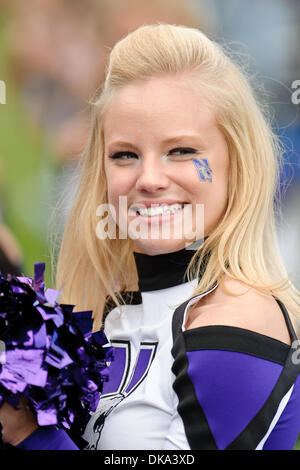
x,y
180,152
183,151
123,155
203,169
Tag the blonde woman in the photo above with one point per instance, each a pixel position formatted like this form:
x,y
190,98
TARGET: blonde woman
x,y
208,360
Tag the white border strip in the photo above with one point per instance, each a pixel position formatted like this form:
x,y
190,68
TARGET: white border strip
x,y
279,411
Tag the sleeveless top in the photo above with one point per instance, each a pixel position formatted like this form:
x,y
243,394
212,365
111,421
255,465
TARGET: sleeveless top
x,y
213,387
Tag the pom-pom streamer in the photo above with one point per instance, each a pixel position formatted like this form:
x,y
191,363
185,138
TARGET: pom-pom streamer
x,y
52,358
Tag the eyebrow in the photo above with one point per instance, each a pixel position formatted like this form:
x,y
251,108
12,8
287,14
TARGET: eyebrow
x,y
179,138
169,140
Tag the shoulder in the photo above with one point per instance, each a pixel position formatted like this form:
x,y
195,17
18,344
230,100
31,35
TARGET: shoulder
x,y
233,303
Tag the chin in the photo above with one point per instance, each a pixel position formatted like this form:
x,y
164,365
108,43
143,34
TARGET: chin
x,y
159,246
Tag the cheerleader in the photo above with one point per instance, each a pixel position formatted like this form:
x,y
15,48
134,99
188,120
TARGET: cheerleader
x,y
203,324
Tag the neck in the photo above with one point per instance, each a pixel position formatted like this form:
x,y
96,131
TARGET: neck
x,y
164,270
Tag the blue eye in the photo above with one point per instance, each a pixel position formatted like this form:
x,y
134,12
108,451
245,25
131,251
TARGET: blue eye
x,y
183,151
123,155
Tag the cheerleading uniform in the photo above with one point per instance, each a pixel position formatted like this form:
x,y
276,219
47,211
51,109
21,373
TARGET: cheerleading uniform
x,y
213,387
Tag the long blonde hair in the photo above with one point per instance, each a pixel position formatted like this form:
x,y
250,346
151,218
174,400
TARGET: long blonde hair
x,y
244,244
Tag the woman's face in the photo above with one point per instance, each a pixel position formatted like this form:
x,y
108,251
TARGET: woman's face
x,y
164,153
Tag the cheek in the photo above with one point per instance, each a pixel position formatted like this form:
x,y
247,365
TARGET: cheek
x,y
197,178
215,200
208,185
118,184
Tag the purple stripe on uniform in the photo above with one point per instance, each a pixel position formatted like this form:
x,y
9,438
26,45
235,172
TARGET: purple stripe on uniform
x,y
116,371
141,367
287,429
231,387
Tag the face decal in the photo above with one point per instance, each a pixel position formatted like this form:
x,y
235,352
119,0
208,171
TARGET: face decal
x,y
203,169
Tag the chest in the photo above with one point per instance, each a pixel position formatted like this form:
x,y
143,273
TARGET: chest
x,y
137,403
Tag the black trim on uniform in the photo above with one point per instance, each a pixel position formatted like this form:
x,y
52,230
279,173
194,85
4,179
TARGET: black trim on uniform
x,y
179,314
152,269
146,343
114,343
178,320
288,321
196,427
166,270
231,338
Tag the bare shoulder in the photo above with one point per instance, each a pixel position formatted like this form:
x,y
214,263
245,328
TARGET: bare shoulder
x,y
247,308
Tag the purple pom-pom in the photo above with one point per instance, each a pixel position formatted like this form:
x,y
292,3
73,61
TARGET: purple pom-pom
x,y
51,355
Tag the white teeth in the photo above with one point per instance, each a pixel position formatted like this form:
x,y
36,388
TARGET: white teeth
x,y
159,210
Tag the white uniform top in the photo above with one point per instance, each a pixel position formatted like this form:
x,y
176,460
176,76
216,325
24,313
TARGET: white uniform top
x,y
145,402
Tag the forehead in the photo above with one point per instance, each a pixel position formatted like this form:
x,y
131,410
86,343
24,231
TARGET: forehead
x,y
170,102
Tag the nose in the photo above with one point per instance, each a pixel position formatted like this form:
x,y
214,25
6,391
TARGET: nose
x,y
152,175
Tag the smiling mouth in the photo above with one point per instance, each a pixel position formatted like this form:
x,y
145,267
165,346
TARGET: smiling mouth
x,y
157,210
